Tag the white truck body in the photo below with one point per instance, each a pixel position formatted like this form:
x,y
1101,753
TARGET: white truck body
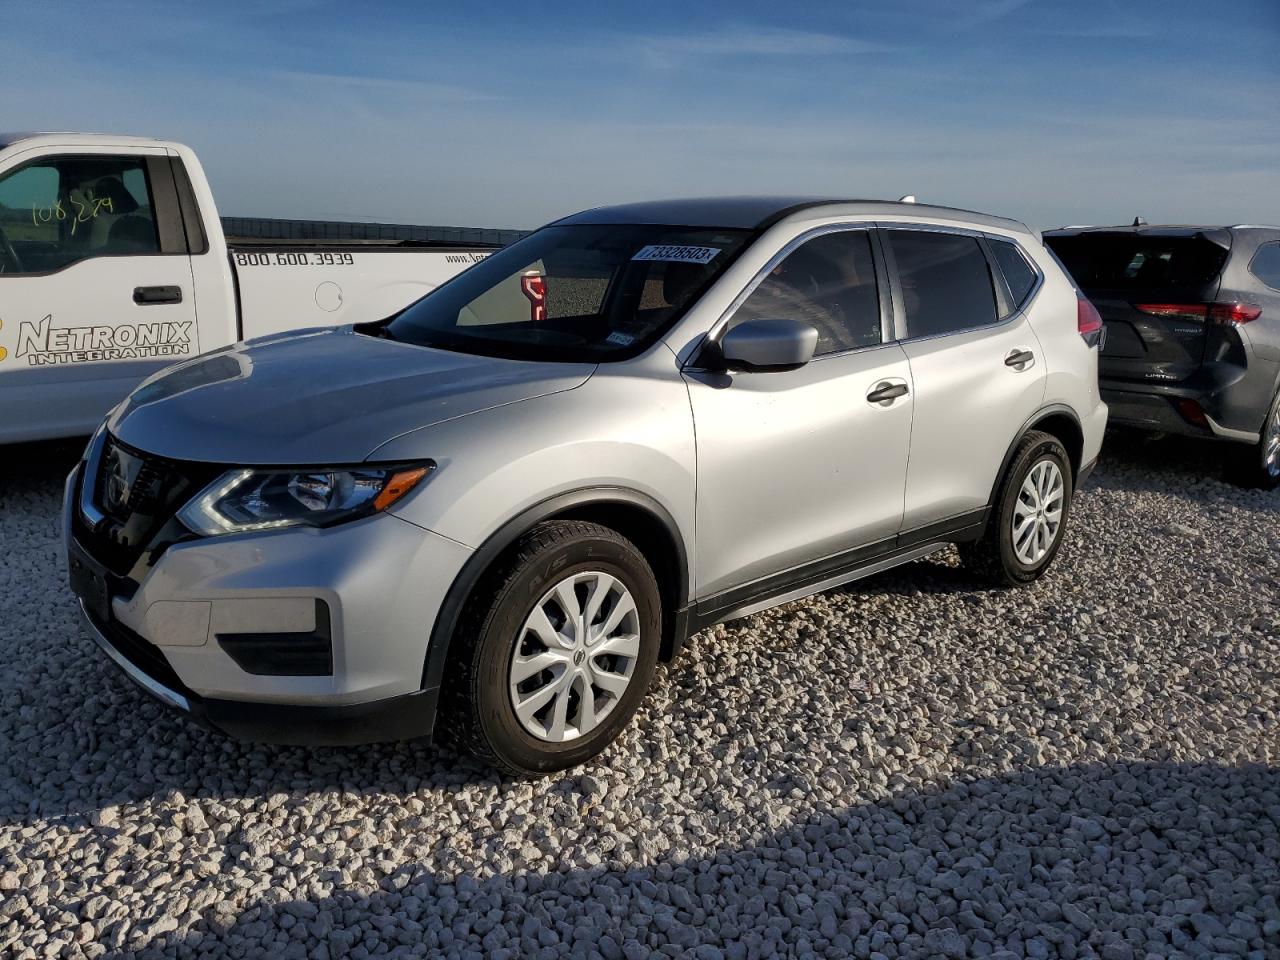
x,y
113,264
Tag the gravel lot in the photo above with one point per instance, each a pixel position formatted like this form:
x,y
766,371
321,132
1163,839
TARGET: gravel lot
x,y
913,766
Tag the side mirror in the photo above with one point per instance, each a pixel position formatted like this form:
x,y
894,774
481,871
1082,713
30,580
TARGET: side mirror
x,y
768,345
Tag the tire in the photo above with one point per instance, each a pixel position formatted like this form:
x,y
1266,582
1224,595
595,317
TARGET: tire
x,y
1258,465
495,641
999,556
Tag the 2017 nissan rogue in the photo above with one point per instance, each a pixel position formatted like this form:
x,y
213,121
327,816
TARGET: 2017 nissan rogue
x,y
492,514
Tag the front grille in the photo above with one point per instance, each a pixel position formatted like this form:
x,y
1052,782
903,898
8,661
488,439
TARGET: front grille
x,y
138,495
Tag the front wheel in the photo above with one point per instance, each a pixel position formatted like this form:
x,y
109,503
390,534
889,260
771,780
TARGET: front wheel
x,y
1029,516
555,651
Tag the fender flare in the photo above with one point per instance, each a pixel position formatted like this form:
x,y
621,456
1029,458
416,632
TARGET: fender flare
x,y
446,620
1047,411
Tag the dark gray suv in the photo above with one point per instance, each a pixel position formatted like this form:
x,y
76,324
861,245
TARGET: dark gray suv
x,y
1192,331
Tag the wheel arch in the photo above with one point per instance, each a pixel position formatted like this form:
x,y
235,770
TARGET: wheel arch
x,y
637,516
1057,420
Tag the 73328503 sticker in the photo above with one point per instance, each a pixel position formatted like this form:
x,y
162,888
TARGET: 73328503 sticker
x,y
677,253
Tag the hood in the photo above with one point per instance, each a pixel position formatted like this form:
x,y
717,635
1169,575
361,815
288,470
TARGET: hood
x,y
319,397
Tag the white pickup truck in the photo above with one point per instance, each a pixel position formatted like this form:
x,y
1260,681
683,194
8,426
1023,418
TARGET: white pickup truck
x,y
113,264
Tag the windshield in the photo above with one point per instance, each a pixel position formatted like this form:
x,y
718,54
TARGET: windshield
x,y
573,293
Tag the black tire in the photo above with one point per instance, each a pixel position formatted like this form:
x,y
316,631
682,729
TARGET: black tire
x,y
993,557
1252,466
477,713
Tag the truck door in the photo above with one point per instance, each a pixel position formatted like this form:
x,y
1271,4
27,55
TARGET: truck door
x,y
95,285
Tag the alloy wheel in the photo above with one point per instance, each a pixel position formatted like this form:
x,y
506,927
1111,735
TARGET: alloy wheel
x,y
1271,445
574,656
1037,514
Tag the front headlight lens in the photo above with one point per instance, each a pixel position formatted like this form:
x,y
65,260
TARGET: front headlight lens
x,y
244,500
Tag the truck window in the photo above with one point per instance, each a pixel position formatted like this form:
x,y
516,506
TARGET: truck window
x,y
60,210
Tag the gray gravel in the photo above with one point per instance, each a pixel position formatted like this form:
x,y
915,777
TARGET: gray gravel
x,y
911,767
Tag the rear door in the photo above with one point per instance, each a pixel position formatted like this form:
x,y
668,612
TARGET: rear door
x,y
976,366
95,285
1152,292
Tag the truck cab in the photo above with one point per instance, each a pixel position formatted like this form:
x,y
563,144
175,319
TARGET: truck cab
x,y
113,264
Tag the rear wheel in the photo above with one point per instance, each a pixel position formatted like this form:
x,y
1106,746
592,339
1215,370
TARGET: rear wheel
x,y
1029,515
555,651
1258,465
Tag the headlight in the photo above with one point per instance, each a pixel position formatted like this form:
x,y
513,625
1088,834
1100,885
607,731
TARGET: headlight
x,y
243,500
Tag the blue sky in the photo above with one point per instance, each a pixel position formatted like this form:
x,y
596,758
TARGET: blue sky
x,y
506,114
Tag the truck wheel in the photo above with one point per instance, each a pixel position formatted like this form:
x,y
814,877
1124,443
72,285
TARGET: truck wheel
x,y
555,651
1029,516
1258,465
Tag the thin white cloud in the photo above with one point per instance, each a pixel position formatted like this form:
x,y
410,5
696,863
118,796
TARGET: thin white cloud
x,y
418,89
988,12
747,41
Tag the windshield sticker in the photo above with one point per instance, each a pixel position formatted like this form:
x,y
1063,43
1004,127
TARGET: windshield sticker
x,y
677,253
620,339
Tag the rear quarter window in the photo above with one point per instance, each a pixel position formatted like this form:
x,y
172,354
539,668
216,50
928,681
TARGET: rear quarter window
x,y
1265,264
1019,275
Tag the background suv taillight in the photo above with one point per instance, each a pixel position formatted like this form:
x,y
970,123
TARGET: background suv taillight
x,y
1088,321
1225,314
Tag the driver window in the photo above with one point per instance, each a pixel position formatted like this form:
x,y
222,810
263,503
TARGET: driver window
x,y
830,283
57,211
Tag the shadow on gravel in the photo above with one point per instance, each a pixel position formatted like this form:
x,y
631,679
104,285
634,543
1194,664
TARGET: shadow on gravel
x,y
1116,860
1182,466
27,463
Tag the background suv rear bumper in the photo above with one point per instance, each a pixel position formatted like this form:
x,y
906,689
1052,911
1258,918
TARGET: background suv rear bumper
x,y
1218,401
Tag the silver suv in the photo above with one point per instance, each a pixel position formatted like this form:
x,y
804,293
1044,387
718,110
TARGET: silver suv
x,y
492,514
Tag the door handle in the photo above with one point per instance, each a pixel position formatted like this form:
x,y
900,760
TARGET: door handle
x,y
1021,359
144,296
885,392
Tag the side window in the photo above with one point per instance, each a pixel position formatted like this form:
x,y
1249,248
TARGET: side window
x,y
1019,275
56,211
829,282
945,280
1266,264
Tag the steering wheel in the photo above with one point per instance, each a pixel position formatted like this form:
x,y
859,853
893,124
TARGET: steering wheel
x,y
9,254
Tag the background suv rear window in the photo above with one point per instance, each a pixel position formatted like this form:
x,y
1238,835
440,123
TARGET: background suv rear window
x,y
1116,262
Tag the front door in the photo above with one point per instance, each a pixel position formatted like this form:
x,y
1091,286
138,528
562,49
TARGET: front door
x,y
800,466
95,287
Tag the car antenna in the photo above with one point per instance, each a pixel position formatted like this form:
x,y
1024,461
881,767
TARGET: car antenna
x,y
1139,222
907,198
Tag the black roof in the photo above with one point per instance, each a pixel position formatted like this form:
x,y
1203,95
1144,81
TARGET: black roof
x,y
1220,234
7,139
754,213
1153,230
739,212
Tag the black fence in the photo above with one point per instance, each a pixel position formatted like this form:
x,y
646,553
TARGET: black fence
x,y
265,229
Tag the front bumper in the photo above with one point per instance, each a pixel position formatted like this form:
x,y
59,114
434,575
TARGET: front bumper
x,y
381,581
404,717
